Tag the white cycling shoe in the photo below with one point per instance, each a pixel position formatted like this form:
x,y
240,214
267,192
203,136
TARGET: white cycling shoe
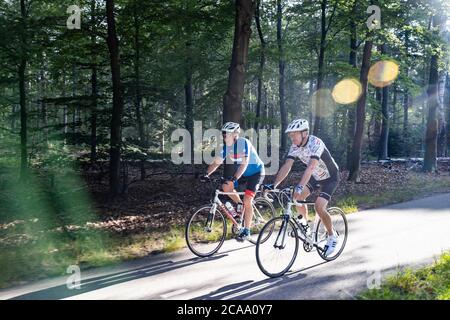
x,y
330,247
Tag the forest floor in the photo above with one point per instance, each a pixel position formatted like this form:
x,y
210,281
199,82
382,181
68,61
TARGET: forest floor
x,y
150,217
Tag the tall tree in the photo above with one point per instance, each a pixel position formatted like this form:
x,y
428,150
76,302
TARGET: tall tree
x,y
353,62
355,164
430,159
137,79
116,120
262,62
232,101
324,28
281,76
22,89
384,136
94,87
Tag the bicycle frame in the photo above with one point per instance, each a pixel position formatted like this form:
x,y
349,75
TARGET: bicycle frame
x,y
217,203
287,214
279,193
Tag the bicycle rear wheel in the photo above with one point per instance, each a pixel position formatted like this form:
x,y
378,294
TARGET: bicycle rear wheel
x,y
340,226
205,231
277,254
263,211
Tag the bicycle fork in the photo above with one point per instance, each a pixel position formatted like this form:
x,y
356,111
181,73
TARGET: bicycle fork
x,y
281,243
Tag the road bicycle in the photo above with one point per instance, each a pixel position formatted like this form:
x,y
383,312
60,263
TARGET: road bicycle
x,y
206,229
280,238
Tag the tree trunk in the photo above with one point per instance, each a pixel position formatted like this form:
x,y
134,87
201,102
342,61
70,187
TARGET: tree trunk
x,y
384,135
232,101
447,104
281,68
94,93
116,135
430,158
360,115
351,109
189,120
262,62
310,93
395,116
442,126
320,73
94,89
23,94
375,146
138,97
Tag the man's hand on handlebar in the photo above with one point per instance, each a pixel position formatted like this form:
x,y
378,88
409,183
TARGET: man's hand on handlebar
x,y
298,192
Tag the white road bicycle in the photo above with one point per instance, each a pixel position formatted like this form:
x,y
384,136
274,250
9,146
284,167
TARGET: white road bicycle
x,y
206,229
278,248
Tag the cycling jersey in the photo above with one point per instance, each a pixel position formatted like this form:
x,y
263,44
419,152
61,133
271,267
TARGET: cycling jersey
x,y
316,149
240,149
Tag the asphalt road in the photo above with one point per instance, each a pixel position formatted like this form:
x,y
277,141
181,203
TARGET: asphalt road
x,y
380,241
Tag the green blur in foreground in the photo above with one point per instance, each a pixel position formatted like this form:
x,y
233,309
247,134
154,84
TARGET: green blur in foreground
x,y
43,220
428,283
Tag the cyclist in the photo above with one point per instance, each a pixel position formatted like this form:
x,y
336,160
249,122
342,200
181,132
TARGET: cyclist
x,y
322,171
249,170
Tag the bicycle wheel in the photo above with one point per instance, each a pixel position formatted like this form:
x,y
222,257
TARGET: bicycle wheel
x,y
277,254
263,211
340,226
205,232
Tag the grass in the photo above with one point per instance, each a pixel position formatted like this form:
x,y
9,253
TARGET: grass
x,y
427,283
51,256
415,187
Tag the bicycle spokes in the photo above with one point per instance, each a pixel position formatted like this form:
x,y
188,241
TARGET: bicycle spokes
x,y
276,255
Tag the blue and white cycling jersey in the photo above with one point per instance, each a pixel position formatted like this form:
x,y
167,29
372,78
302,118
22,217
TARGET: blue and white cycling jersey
x,y
240,149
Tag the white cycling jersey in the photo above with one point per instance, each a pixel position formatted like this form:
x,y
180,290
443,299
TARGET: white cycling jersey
x,y
315,149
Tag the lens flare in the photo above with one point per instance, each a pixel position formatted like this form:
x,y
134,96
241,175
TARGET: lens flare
x,y
383,73
347,91
322,103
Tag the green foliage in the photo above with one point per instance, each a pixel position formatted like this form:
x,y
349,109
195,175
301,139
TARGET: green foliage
x,y
428,283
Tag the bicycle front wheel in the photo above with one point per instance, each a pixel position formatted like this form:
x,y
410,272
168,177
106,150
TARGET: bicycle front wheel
x,y
340,226
276,255
263,211
205,231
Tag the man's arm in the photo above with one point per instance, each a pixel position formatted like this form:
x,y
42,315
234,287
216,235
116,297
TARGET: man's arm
x,y
283,172
214,165
241,168
308,172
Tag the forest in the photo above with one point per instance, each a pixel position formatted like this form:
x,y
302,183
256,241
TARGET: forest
x,y
91,92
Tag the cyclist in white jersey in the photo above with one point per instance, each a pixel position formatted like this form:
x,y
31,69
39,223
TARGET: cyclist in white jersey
x,y
321,172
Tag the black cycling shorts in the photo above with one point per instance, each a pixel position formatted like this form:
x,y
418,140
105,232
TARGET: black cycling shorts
x,y
327,187
251,183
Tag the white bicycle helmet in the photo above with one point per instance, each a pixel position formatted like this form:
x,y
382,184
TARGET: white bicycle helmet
x,y
231,127
297,125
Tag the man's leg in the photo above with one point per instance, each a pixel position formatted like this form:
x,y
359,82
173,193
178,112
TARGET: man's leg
x,y
252,183
328,188
303,209
248,208
229,187
321,209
